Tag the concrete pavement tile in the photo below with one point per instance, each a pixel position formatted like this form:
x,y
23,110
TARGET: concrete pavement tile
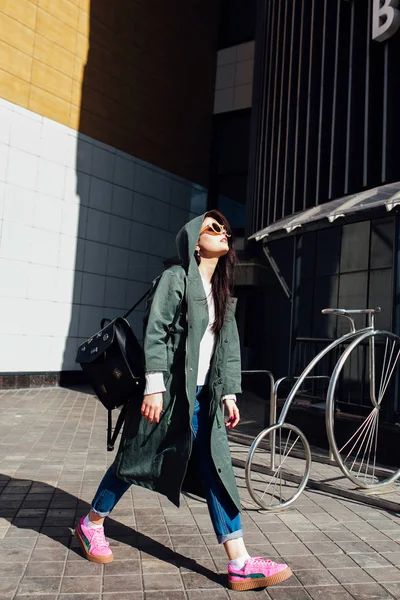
x,y
45,542
276,536
39,585
120,567
193,581
352,575
318,548
189,540
205,595
44,569
312,536
329,592
122,583
157,566
332,561
202,563
343,536
392,557
10,569
367,591
304,562
315,577
370,560
354,547
167,595
292,549
79,597
34,597
164,582
384,574
393,588
83,568
81,585
388,546
122,596
288,593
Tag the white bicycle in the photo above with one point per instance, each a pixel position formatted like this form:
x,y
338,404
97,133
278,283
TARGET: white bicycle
x,y
279,461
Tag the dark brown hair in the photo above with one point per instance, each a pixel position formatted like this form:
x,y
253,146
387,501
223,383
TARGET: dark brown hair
x,y
223,278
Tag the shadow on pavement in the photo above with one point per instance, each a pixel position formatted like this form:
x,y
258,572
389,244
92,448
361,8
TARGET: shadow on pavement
x,y
50,511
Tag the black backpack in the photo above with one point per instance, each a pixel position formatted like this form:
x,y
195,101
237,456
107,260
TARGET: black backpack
x,y
113,361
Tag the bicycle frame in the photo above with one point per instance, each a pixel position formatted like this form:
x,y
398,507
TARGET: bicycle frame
x,y
345,338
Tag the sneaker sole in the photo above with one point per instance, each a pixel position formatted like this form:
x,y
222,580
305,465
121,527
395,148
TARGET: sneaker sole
x,y
96,559
252,584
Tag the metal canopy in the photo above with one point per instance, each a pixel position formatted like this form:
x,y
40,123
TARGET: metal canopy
x,y
384,195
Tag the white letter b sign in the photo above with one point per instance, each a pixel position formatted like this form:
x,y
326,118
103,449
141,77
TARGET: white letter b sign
x,y
385,19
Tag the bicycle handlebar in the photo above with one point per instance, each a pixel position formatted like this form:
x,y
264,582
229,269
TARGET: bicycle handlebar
x,y
356,311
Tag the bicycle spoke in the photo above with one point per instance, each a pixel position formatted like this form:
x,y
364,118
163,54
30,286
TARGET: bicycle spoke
x,y
383,368
368,447
365,433
278,471
389,377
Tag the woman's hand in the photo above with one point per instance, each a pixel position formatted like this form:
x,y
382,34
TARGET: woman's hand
x,y
152,406
233,414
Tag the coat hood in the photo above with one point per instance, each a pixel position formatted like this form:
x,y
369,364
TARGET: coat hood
x,y
187,239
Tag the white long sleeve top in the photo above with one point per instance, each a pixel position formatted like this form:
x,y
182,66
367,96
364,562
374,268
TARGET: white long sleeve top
x,y
155,380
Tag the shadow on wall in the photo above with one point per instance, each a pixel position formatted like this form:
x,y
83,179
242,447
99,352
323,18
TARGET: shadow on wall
x,y
144,126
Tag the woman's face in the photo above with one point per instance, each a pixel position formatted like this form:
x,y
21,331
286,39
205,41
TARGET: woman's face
x,y
211,244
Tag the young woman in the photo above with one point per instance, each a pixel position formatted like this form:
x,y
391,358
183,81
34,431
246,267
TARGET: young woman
x,y
177,440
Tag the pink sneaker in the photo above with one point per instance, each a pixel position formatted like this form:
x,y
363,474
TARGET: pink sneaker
x,y
93,543
257,573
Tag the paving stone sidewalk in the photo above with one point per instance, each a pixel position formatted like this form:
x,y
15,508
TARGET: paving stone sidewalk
x,y
52,457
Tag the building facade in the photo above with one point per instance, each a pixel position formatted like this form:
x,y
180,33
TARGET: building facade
x,y
105,127
325,127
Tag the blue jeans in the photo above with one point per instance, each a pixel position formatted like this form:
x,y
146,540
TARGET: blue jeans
x,y
224,515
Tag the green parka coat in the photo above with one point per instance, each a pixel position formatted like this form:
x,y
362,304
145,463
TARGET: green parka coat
x,y
157,455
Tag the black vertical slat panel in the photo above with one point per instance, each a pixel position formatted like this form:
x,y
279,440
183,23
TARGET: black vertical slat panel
x,y
283,108
375,111
367,33
327,95
257,143
357,82
330,119
257,128
269,112
262,122
274,105
393,110
341,94
314,103
291,109
302,102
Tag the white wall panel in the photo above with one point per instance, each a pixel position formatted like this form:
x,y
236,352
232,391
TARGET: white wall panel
x,y
84,228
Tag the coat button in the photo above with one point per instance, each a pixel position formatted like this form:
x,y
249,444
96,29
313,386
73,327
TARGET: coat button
x,y
226,341
190,369
219,470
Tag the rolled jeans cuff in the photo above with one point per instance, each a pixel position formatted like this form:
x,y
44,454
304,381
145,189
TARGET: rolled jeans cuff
x,y
230,536
101,514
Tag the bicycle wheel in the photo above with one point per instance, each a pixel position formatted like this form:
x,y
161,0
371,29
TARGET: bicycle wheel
x,y
276,479
363,385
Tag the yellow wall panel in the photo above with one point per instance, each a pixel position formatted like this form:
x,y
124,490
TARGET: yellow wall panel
x,y
52,54
16,34
85,5
48,105
51,80
15,62
84,23
55,30
64,10
14,89
75,117
82,46
23,11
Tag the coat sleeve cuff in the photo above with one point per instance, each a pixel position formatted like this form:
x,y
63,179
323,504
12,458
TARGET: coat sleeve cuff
x,y
154,383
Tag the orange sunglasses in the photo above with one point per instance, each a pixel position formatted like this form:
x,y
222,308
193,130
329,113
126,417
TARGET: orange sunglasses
x,y
215,228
